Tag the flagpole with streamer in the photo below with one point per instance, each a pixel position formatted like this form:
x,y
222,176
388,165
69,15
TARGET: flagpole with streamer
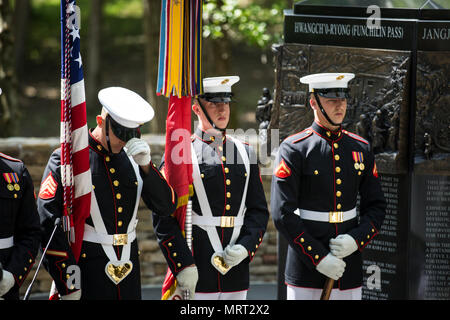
x,y
75,171
179,79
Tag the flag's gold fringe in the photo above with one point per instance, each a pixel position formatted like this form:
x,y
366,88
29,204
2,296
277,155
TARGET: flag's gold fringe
x,y
170,291
183,200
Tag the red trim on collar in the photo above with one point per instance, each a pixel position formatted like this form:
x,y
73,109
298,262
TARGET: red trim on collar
x,y
9,158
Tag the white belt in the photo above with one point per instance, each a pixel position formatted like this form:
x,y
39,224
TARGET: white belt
x,y
6,243
223,221
329,216
109,239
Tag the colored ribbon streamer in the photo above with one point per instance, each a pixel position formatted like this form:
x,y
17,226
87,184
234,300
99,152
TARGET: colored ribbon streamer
x,y
180,48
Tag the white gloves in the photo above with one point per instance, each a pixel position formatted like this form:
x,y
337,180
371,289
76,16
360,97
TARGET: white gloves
x,y
187,280
233,255
7,282
343,245
76,295
139,150
331,266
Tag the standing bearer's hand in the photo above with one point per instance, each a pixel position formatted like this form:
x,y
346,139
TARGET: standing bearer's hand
x,y
6,283
331,266
233,255
343,246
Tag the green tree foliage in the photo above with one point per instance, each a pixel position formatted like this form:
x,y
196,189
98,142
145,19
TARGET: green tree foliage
x,y
255,22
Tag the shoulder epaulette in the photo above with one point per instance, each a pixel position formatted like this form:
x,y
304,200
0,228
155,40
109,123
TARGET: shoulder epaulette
x,y
9,158
355,136
302,135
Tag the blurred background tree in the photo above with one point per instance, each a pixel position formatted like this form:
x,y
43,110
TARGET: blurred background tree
x,y
119,45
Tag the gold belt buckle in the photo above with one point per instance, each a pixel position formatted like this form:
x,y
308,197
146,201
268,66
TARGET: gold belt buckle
x,y
120,239
336,217
226,222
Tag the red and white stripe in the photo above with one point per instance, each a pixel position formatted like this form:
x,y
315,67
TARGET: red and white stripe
x,y
75,171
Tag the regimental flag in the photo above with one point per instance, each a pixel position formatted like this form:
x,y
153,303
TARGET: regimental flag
x,y
179,78
75,171
178,168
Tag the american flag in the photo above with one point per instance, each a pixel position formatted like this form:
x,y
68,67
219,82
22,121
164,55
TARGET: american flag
x,y
75,170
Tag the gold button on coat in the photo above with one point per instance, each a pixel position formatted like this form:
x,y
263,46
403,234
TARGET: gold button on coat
x,y
119,223
339,206
338,193
336,157
224,159
119,209
227,170
338,181
228,182
316,172
118,196
338,169
227,207
335,145
107,159
112,170
228,194
116,183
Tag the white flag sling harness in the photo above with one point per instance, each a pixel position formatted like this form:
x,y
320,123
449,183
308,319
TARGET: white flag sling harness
x,y
207,221
117,268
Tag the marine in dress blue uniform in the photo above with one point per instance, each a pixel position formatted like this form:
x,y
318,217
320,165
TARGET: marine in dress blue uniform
x,y
319,173
223,174
118,176
19,226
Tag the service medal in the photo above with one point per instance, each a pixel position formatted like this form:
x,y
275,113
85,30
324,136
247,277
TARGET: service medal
x,y
10,187
356,165
361,166
16,187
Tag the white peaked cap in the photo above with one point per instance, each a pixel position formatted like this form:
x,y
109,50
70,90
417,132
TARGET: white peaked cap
x,y
219,84
125,106
327,80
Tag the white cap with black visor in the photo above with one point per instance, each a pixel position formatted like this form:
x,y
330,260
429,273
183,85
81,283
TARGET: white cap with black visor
x,y
328,85
217,90
127,112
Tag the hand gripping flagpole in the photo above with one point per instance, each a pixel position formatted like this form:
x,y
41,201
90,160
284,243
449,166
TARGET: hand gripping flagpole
x,y
27,293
